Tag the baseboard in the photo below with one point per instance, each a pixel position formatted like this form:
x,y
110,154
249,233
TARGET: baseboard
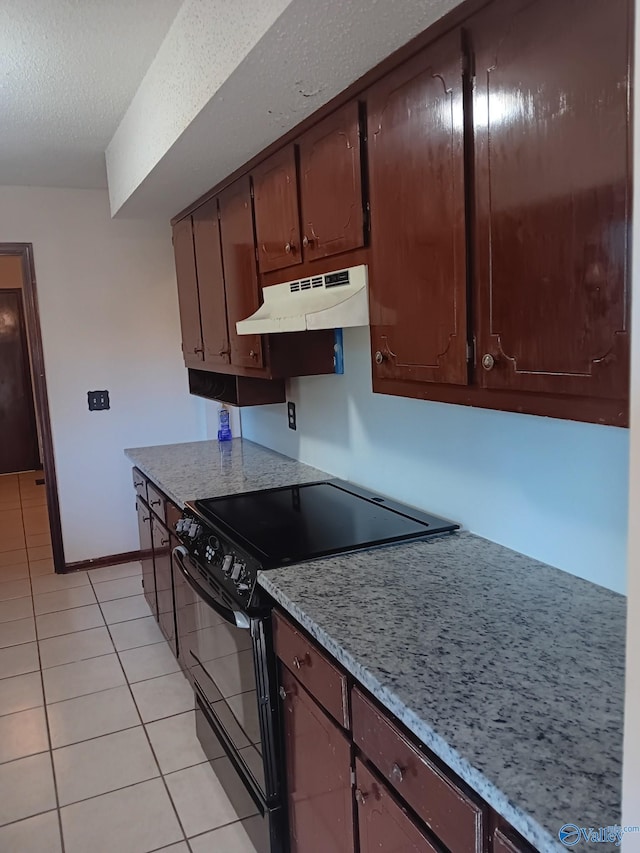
x,y
109,560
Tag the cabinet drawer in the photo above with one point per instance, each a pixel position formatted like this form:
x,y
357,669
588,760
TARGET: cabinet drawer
x,y
322,679
448,812
157,502
139,483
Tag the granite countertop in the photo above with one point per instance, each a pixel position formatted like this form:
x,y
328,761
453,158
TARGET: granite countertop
x,y
511,671
209,469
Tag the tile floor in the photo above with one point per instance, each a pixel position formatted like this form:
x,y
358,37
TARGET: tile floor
x,y
97,734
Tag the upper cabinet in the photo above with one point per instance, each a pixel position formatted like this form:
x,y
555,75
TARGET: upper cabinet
x,y
188,298
551,136
418,282
211,290
275,190
331,185
241,277
329,220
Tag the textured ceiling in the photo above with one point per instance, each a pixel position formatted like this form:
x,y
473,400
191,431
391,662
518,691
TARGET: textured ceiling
x,y
219,92
68,71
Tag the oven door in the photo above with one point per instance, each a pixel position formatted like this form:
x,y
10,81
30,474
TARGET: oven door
x,y
216,646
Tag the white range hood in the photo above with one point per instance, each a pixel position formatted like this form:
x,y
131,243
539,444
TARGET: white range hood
x,y
331,301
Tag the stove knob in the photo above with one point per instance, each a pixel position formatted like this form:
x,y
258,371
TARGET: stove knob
x,y
237,570
194,530
243,587
227,564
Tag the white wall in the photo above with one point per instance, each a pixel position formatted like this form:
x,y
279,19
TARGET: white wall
x,y
109,319
556,490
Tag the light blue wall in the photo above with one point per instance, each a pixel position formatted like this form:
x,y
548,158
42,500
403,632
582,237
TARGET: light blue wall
x,y
556,490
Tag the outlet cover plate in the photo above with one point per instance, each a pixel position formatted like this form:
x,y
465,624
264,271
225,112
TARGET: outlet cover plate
x,y
291,415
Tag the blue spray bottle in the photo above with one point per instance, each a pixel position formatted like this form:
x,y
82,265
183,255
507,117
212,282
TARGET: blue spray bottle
x,y
224,430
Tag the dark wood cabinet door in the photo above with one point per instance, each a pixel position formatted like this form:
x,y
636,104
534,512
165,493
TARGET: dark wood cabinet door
x,y
552,164
275,198
417,287
318,769
146,555
164,581
240,274
384,826
213,308
188,300
331,185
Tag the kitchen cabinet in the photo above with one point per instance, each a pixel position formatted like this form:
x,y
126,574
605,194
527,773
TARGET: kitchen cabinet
x,y
330,192
364,769
275,192
418,283
211,286
331,198
241,277
146,554
164,581
318,768
188,297
384,826
551,137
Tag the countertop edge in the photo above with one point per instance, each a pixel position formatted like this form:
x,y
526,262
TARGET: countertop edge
x,y
485,788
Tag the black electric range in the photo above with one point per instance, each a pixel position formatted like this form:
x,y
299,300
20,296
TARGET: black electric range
x,y
234,537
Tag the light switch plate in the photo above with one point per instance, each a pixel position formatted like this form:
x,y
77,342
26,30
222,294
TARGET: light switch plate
x,y
98,400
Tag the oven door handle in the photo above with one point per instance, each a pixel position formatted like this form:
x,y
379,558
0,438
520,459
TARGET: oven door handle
x,y
235,617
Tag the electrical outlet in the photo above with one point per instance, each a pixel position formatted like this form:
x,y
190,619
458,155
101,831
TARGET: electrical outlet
x,y
98,400
291,414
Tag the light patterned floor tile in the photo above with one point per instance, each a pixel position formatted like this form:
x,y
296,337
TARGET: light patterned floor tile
x,y
22,734
68,621
39,834
20,692
68,648
27,787
91,716
78,679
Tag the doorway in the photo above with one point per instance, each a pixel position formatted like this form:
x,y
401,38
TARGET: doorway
x,y
28,485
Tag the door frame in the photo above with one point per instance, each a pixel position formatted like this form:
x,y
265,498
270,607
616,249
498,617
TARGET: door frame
x,y
41,401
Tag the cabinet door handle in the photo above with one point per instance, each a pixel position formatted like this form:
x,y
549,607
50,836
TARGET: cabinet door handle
x,y
289,248
253,354
397,773
155,503
488,361
164,541
379,357
298,663
306,241
283,693
361,796
146,517
137,485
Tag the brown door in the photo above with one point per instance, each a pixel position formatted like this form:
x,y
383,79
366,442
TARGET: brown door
x,y
384,826
240,274
164,581
146,552
318,763
331,185
275,191
18,432
416,166
188,300
213,308
551,136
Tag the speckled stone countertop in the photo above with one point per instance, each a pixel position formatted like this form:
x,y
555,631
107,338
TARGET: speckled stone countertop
x,y
511,671
208,469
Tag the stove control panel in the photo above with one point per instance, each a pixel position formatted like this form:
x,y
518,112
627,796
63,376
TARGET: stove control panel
x,y
226,563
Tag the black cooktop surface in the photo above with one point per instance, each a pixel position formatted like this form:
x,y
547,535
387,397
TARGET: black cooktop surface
x,y
296,523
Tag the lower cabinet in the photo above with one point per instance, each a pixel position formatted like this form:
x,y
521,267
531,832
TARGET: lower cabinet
x,y
384,827
164,581
362,784
318,766
146,554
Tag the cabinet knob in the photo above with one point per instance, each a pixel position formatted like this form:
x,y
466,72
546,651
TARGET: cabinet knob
x,y
299,663
397,773
288,247
306,241
488,361
361,796
283,693
379,357
253,353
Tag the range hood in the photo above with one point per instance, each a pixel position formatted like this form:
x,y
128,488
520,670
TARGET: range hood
x,y
331,301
